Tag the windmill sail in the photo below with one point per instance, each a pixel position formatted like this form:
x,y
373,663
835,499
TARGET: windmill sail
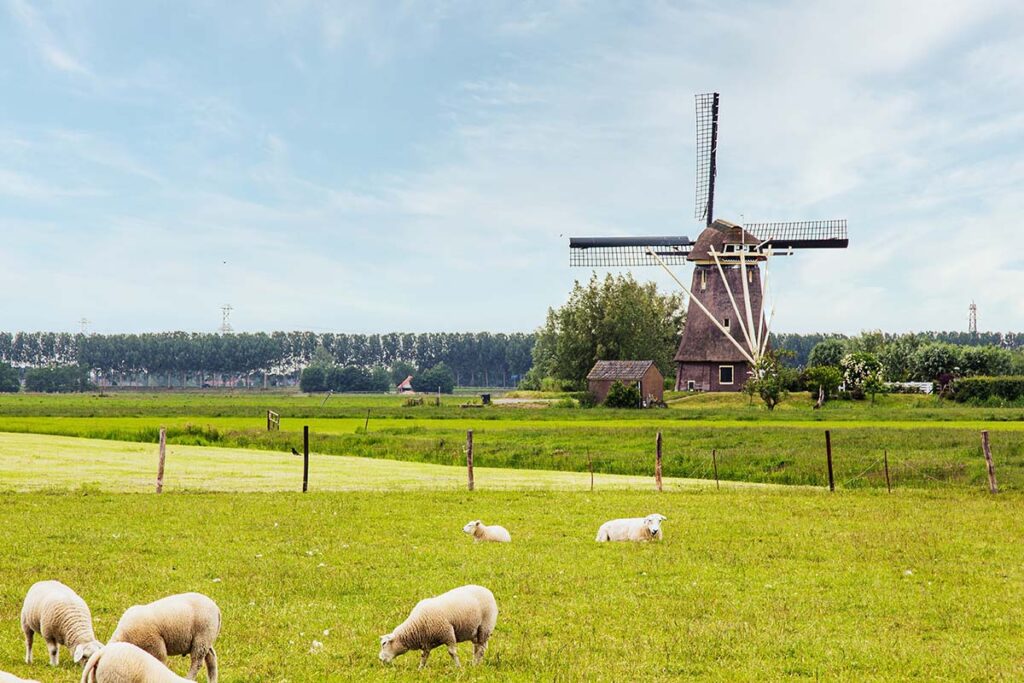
x,y
802,234
628,251
707,149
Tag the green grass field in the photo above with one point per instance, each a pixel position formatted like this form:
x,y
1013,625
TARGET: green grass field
x,y
753,581
928,442
748,585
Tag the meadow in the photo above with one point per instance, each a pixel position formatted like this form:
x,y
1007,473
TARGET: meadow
x,y
748,585
928,442
754,581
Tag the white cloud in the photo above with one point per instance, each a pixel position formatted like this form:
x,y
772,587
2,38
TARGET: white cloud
x,y
42,38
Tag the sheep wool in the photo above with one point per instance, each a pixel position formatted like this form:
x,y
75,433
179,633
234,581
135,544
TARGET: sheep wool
x,y
11,678
185,624
464,613
632,529
126,663
61,617
481,532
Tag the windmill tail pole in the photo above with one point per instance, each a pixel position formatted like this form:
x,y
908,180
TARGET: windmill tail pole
x,y
751,342
702,307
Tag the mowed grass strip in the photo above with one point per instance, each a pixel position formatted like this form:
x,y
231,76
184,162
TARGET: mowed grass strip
x,y
748,585
32,462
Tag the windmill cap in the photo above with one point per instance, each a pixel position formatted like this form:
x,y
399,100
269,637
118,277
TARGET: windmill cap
x,y
716,237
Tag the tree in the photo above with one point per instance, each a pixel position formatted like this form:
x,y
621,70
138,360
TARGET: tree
x,y
622,396
612,319
827,352
862,372
438,378
9,382
771,379
826,379
313,379
934,360
69,378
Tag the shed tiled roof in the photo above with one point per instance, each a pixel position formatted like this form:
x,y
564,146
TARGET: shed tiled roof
x,y
628,370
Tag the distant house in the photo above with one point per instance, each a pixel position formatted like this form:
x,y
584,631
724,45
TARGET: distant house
x,y
643,374
405,387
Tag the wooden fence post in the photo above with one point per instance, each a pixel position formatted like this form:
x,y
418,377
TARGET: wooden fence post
x,y
988,462
590,466
828,453
657,463
888,483
163,456
714,463
366,426
469,459
305,458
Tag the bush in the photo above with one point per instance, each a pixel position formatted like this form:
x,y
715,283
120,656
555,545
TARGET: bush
x,y
9,382
982,389
313,379
622,396
827,352
440,375
68,378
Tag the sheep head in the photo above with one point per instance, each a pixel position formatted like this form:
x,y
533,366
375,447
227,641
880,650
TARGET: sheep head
x,y
471,527
653,523
390,647
84,651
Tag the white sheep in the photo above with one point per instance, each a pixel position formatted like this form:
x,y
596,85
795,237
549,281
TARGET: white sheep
x,y
185,624
11,678
61,616
126,663
481,532
633,529
461,614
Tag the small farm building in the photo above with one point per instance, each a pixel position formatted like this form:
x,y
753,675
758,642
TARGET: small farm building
x,y
643,374
405,387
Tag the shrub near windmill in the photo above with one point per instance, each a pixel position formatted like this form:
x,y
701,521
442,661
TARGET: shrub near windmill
x,y
726,332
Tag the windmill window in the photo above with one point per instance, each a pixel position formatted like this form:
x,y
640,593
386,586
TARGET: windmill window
x,y
703,280
690,385
726,324
725,373
750,275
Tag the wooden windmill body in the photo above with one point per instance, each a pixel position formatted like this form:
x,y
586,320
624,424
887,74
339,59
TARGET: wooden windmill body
x,y
726,331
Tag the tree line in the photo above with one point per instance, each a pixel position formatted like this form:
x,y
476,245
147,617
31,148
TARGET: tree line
x,y
476,359
873,341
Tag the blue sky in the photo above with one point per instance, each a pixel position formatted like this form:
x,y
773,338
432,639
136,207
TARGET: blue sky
x,y
420,166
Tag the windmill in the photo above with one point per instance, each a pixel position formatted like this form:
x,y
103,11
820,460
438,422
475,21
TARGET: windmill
x,y
726,332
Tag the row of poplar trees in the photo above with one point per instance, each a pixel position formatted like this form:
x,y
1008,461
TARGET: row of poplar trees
x,y
480,359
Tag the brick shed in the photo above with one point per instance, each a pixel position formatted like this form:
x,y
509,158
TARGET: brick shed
x,y
636,372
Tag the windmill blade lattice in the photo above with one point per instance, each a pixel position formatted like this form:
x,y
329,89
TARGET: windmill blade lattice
x,y
707,150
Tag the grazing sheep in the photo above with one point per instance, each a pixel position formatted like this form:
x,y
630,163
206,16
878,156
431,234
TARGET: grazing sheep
x,y
11,678
126,663
461,614
61,616
185,624
634,529
481,532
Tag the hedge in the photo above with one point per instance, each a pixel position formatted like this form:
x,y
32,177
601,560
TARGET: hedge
x,y
974,389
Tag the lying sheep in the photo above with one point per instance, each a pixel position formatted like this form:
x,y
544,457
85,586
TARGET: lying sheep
x,y
56,612
11,678
126,663
185,624
461,614
481,532
634,529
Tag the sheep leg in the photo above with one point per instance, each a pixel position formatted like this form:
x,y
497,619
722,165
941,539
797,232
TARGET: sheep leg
x,y
423,658
453,651
211,665
478,651
54,649
196,661
29,633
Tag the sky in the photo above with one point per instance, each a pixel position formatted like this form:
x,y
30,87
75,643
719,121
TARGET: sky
x,y
420,166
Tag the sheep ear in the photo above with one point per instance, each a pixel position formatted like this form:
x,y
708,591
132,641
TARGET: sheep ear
x,y
385,639
79,653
